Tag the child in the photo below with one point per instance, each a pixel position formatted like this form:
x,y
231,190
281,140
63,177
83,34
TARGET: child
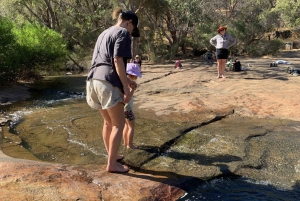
x,y
133,72
209,57
178,64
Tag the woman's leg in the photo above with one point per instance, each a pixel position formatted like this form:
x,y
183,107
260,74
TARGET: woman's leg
x,y
113,139
106,130
219,61
223,63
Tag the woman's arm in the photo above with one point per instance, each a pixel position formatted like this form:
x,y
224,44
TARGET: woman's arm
x,y
213,41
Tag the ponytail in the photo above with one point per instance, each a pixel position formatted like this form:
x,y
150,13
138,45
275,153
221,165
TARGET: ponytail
x,y
117,13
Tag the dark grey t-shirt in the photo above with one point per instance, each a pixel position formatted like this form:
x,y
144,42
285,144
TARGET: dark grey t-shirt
x,y
112,42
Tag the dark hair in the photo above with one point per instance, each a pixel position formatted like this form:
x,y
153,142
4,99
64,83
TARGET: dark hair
x,y
128,15
125,15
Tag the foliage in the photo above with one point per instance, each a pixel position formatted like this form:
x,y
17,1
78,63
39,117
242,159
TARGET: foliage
x,y
27,50
40,45
264,47
290,11
7,50
168,27
80,22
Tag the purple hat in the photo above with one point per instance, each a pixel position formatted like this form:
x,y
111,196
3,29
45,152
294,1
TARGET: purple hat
x,y
133,69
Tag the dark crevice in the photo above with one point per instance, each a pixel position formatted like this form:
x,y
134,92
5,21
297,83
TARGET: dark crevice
x,y
257,135
165,75
167,145
157,78
247,147
261,164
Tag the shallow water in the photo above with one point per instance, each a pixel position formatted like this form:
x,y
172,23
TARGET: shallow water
x,y
49,123
239,189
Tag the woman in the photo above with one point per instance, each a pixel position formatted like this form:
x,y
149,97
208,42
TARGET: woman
x,y
222,41
108,87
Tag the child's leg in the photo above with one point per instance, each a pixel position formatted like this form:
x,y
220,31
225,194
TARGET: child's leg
x,y
129,129
130,133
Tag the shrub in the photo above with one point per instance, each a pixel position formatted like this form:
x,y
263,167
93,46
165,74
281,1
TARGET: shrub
x,y
7,51
40,48
264,47
25,51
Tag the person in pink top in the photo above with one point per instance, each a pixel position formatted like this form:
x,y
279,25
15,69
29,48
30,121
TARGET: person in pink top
x,y
178,64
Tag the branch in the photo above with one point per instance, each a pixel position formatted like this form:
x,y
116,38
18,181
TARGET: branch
x,y
31,11
77,64
140,6
52,15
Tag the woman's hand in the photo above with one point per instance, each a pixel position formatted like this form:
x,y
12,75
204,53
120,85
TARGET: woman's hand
x,y
127,94
132,84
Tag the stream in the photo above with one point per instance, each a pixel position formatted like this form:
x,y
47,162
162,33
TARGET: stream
x,y
48,125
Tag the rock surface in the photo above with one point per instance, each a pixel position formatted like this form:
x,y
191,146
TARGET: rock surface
x,y
246,125
28,180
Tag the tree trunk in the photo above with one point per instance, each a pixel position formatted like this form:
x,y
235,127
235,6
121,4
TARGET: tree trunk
x,y
135,47
52,14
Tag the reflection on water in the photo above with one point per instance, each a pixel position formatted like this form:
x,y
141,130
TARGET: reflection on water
x,y
51,132
240,189
56,125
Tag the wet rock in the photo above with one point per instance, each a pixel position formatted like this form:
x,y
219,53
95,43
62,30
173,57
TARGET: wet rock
x,y
254,148
45,181
188,125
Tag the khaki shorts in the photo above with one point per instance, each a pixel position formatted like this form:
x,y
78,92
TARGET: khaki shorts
x,y
101,94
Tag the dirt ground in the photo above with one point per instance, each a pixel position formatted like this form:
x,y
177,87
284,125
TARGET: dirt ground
x,y
260,91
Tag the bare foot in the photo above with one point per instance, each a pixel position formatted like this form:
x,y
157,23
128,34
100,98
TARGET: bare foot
x,y
219,77
117,168
223,76
132,146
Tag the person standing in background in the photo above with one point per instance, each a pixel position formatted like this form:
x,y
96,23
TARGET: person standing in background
x,y
138,61
108,87
222,42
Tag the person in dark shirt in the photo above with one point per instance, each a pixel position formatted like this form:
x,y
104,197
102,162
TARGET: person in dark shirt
x,y
108,87
137,61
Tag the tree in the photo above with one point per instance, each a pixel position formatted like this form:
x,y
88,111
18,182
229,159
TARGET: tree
x,y
26,51
290,12
78,21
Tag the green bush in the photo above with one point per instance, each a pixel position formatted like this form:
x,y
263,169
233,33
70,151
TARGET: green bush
x,y
25,51
264,47
40,48
7,52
